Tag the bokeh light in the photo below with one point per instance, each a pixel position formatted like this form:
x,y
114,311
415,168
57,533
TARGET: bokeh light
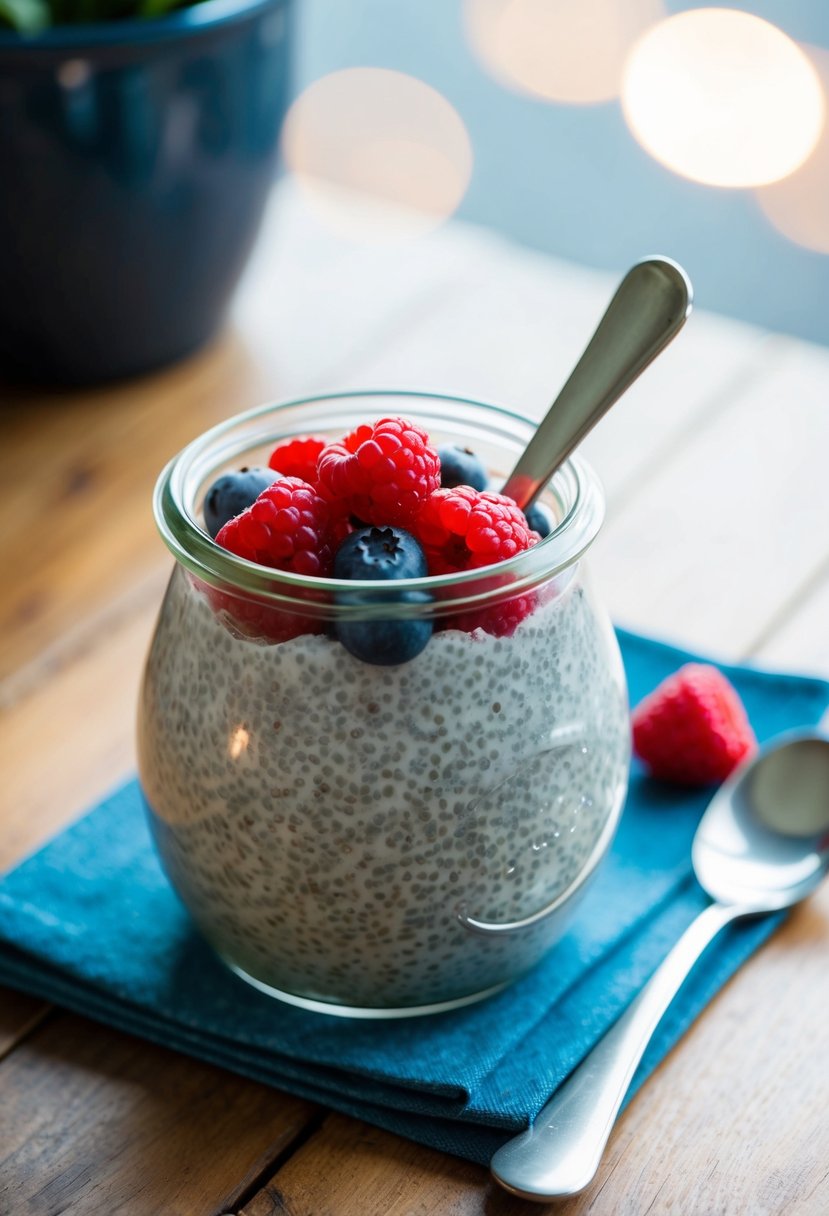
x,y
723,97
361,139
798,206
559,50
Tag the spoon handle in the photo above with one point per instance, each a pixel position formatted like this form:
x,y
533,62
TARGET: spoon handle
x,y
650,306
559,1155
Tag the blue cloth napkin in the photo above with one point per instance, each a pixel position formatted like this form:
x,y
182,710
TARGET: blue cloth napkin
x,y
90,923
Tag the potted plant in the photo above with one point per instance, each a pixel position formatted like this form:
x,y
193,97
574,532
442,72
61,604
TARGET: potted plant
x,y
137,149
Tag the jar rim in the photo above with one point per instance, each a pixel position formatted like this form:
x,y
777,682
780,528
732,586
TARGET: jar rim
x,y
575,487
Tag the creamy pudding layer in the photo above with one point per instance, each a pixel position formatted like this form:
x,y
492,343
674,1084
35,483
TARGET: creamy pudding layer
x,y
325,820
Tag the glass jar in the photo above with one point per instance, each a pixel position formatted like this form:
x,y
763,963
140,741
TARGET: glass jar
x,y
381,840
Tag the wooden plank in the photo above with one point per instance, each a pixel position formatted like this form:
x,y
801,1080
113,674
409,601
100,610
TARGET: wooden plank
x,y
350,1167
72,738
314,305
83,527
513,329
799,640
19,1015
719,538
93,1121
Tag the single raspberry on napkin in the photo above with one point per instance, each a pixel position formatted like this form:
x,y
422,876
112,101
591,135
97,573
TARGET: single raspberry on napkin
x,y
693,727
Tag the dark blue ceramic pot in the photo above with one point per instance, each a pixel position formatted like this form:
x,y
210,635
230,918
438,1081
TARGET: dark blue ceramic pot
x,y
135,161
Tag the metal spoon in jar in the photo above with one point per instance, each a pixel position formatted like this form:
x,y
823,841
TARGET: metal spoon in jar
x,y
649,308
762,845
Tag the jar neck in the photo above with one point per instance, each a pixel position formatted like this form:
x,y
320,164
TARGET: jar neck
x,y
574,493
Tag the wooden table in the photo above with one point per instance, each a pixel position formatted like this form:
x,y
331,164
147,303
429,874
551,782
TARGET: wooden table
x,y
717,472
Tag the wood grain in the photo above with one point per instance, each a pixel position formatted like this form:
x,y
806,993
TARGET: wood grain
x,y
722,535
93,1121
89,531
799,638
19,1015
72,737
512,329
348,1166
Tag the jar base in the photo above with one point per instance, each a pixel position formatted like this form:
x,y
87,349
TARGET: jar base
x,y
357,1011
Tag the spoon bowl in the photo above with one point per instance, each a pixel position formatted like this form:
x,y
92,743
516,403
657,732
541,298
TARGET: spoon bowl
x,y
762,843
761,846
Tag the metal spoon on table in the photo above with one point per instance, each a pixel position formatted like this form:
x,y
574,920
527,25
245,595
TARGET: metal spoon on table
x,y
762,845
649,308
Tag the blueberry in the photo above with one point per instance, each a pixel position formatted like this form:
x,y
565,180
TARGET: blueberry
x,y
460,467
386,643
374,553
231,493
540,519
382,554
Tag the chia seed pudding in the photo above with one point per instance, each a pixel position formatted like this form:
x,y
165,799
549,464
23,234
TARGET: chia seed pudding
x,y
383,838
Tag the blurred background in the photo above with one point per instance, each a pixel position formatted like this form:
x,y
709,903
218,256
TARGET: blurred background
x,y
596,130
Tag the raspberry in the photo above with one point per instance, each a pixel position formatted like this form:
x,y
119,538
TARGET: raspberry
x,y
298,458
693,728
287,528
382,472
462,529
465,529
501,620
254,617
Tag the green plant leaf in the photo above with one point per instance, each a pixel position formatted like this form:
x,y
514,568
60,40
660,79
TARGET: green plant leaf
x,y
32,16
157,8
25,16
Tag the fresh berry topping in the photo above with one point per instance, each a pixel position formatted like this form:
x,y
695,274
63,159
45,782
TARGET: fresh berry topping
x,y
287,528
231,493
375,553
460,467
382,473
693,728
253,617
298,457
463,529
501,620
386,643
388,554
539,519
